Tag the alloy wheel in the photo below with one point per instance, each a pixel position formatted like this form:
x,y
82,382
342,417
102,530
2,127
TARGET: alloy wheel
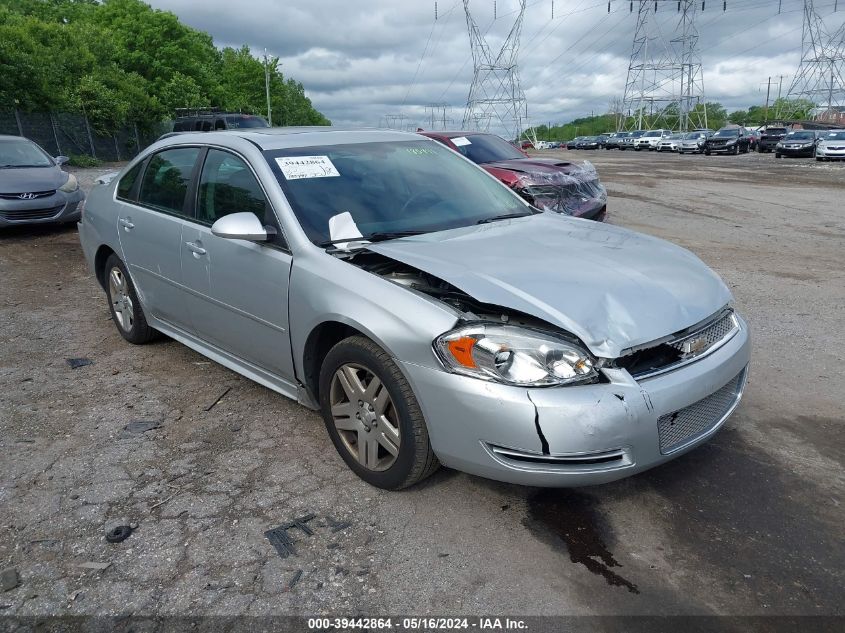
x,y
365,417
120,300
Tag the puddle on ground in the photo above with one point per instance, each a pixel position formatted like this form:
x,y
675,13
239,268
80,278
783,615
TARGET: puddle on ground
x,y
567,517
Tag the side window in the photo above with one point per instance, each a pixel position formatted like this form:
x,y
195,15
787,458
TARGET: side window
x,y
227,186
165,182
127,184
219,124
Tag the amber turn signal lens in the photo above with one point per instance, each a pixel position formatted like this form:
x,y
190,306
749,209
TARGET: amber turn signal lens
x,y
461,350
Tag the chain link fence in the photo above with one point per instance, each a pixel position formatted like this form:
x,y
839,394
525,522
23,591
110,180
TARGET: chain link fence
x,y
68,134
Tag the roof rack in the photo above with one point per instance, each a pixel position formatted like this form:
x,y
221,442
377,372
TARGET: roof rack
x,y
207,111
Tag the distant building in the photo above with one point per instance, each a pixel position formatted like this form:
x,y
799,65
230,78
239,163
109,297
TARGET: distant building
x,y
833,114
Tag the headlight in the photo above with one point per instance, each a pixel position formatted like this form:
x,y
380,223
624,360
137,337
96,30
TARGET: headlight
x,y
514,356
71,184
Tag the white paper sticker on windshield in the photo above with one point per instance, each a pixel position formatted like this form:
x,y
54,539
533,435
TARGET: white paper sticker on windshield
x,y
296,167
460,141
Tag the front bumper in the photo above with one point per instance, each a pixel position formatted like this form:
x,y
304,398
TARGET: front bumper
x,y
59,207
576,436
691,147
722,149
805,152
828,152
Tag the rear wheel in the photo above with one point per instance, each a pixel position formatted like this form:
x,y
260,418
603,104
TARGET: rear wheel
x,y
373,417
126,310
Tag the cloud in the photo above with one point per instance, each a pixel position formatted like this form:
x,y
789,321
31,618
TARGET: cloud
x,y
360,60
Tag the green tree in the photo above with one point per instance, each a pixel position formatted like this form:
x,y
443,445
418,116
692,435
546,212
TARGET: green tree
x,y
121,60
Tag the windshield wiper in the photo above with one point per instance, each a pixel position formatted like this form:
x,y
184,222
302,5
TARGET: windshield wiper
x,y
505,216
373,237
392,235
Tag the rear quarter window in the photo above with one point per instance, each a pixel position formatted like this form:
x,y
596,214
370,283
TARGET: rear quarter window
x,y
126,186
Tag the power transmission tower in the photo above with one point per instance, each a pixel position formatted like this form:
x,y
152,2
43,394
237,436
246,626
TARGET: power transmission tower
x,y
819,79
665,82
435,116
495,96
394,121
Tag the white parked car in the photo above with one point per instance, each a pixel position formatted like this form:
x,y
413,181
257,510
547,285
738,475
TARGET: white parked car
x,y
650,139
831,146
669,143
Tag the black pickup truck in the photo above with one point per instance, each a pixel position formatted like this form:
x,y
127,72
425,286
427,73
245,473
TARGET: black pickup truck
x,y
769,137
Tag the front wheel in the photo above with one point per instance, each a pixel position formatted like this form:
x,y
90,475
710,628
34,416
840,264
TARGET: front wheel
x,y
777,155
126,311
707,152
373,417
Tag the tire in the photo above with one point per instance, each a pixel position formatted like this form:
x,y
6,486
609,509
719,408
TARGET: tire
x,y
760,150
819,158
360,360
777,155
707,152
125,308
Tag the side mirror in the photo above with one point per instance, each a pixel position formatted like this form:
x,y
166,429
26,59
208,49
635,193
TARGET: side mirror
x,y
61,160
242,226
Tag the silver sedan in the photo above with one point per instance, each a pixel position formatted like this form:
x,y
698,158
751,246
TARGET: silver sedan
x,y
430,314
33,187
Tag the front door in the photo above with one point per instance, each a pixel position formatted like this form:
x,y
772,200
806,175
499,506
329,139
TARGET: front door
x,y
237,290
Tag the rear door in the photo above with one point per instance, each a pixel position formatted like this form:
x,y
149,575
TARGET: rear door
x,y
150,221
238,290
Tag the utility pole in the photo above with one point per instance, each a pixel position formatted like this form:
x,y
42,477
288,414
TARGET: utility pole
x,y
768,94
267,87
495,95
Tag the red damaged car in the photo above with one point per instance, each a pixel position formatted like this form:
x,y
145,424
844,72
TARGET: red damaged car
x,y
547,183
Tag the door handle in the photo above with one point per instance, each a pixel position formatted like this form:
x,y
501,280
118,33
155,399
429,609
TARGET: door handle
x,y
196,249
126,224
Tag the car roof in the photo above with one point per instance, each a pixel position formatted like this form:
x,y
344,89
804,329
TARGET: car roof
x,y
270,138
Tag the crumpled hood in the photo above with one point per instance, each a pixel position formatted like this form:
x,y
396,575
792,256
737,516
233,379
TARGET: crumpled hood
x,y
535,165
29,179
611,287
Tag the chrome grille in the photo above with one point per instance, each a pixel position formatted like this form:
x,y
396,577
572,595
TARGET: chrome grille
x,y
33,194
706,337
679,428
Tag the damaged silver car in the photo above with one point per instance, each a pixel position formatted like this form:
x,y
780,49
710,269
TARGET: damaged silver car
x,y
431,315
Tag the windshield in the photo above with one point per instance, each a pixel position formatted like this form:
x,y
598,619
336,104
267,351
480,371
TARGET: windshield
x,y
23,153
363,189
485,148
694,135
727,133
795,136
652,133
775,130
835,136
246,121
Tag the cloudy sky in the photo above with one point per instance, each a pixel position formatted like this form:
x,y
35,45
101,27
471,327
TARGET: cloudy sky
x,y
360,60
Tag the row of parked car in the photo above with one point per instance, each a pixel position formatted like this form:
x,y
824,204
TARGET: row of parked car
x,y
821,144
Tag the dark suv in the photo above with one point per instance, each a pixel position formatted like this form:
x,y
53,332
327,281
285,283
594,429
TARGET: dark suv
x,y
728,140
770,137
206,122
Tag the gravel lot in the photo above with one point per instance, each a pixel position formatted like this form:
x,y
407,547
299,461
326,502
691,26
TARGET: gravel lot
x,y
751,523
